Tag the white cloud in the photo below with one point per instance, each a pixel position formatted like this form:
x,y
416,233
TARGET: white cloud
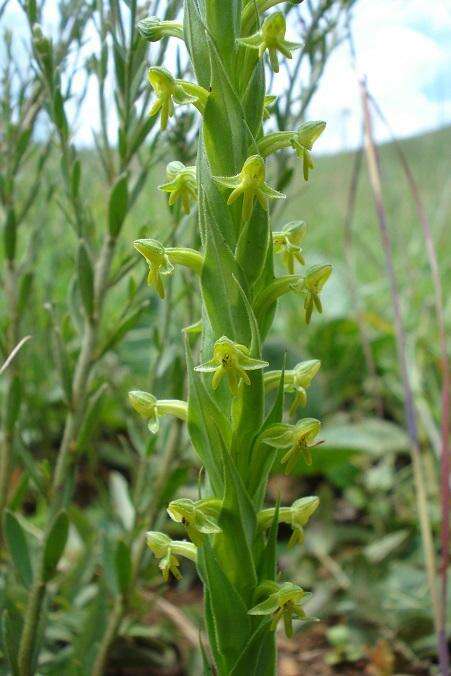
x,y
401,46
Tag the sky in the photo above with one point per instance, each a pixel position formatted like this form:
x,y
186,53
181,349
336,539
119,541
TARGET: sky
x,y
403,47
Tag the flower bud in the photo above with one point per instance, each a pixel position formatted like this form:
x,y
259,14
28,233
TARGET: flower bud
x,y
153,29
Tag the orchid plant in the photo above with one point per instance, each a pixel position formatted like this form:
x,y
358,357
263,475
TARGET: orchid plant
x,y
235,422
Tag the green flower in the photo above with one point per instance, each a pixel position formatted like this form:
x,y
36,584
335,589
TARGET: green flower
x,y
314,282
169,90
167,550
250,183
153,29
287,242
232,360
199,518
298,439
296,380
181,185
158,261
268,104
303,141
152,408
296,516
271,37
282,602
299,380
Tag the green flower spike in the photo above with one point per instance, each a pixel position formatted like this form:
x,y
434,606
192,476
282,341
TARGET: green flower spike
x,y
232,360
181,185
282,602
153,29
157,260
167,550
296,516
168,90
296,380
314,282
303,141
299,439
271,37
199,518
250,183
288,241
151,408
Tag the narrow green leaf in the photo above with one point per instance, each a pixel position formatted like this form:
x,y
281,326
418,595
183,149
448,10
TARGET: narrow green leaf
x,y
13,402
118,204
11,632
194,30
16,542
249,661
207,425
55,544
9,235
120,498
230,618
75,178
238,523
123,564
24,292
85,278
91,416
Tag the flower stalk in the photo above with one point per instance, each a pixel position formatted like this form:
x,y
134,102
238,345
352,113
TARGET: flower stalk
x,y
232,536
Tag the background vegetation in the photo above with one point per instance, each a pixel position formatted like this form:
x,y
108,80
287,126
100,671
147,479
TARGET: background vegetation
x,y
362,555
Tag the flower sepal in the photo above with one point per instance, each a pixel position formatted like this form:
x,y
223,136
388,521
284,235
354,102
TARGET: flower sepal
x,y
154,29
199,517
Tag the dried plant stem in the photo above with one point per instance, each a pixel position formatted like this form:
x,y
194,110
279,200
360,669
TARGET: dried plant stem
x,y
348,254
6,449
446,403
409,407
